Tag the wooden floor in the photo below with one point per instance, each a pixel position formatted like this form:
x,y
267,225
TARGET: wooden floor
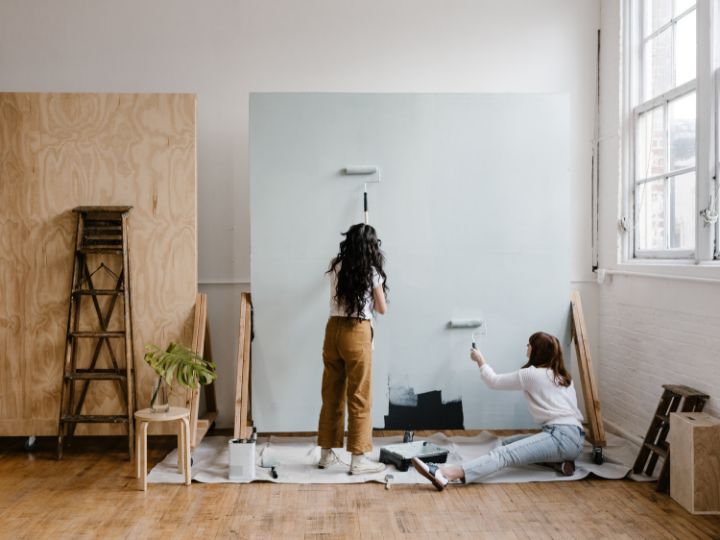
x,y
91,493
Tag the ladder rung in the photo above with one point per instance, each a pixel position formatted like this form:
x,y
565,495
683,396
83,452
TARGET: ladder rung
x,y
664,419
93,250
656,449
94,419
101,227
98,292
96,220
97,374
101,243
98,334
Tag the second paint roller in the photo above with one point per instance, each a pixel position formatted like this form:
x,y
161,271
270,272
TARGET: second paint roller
x,y
478,324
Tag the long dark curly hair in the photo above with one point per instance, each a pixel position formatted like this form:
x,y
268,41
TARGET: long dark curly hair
x,y
359,253
547,353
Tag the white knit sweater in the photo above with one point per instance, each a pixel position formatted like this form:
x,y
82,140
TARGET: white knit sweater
x,y
548,402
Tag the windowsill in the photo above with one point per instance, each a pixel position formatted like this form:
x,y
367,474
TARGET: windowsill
x,y
678,268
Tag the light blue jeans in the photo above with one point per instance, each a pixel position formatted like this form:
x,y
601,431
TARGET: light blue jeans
x,y
554,444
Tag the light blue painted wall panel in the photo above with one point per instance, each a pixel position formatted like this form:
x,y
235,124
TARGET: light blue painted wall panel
x,y
473,214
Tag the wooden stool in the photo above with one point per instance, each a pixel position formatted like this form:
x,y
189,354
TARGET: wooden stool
x,y
175,414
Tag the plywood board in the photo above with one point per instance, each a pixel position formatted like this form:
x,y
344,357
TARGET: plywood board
x,y
59,151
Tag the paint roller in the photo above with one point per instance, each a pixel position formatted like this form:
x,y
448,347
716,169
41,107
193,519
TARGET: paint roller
x,y
364,171
478,324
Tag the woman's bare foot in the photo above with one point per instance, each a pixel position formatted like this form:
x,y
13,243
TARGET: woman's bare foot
x,y
453,472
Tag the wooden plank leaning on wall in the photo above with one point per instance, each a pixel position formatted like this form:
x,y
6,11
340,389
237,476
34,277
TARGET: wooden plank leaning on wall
x,y
596,435
201,346
243,418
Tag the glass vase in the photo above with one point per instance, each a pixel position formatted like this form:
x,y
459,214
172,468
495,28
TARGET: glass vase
x,y
160,400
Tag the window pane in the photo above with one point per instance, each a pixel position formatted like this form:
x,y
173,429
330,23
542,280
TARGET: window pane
x,y
681,118
650,212
682,5
650,153
657,65
656,13
682,211
685,33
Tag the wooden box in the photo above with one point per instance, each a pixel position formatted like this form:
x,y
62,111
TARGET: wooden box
x,y
695,462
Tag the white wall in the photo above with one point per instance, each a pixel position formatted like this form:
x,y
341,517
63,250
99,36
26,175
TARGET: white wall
x,y
651,331
223,49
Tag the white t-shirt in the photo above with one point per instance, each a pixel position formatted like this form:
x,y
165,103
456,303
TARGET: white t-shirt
x,y
548,402
339,311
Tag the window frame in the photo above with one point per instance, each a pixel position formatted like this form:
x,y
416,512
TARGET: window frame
x,y
706,86
715,181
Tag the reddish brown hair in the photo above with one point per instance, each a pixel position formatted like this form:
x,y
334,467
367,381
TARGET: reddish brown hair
x,y
546,352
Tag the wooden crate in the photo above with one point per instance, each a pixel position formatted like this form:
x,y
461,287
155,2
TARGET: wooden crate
x,y
695,462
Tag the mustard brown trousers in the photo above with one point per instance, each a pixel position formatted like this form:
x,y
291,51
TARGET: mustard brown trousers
x,y
347,376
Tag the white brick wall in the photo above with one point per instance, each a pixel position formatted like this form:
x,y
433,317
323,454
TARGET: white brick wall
x,y
648,331
654,332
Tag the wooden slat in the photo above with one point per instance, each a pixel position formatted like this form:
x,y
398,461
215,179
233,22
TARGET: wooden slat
x,y
93,334
590,393
95,418
99,292
210,401
100,375
242,385
198,347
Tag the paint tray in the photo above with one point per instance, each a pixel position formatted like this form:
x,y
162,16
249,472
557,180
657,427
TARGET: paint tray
x,y
401,454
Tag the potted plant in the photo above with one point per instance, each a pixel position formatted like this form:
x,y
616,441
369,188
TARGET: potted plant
x,y
178,364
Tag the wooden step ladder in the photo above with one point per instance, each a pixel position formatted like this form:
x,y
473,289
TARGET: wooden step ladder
x,y
675,398
101,242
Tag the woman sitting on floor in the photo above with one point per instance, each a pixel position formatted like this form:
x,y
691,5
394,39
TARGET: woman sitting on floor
x,y
551,399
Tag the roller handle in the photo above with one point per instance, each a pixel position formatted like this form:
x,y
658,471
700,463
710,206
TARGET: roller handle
x,y
365,205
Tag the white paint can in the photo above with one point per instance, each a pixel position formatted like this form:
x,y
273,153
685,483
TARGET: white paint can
x,y
241,454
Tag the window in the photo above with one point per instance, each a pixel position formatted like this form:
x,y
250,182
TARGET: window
x,y
671,86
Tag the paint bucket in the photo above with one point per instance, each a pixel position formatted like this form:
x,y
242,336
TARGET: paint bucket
x,y
242,459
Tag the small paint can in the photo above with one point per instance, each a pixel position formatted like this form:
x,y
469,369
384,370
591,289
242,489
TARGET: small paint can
x,y
241,454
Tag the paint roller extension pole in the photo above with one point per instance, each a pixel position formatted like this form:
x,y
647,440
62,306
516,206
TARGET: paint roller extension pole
x,y
365,204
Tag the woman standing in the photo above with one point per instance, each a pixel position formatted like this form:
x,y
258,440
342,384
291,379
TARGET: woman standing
x,y
358,287
551,399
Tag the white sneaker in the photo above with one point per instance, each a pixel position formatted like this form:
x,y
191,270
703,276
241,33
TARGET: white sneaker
x,y
432,472
328,458
360,464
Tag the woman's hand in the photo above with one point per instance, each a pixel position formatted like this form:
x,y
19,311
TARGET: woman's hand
x,y
477,357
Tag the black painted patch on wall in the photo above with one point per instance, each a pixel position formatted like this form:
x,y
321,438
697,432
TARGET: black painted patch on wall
x,y
429,413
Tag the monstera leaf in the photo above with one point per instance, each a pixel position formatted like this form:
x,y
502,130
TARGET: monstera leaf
x,y
178,363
